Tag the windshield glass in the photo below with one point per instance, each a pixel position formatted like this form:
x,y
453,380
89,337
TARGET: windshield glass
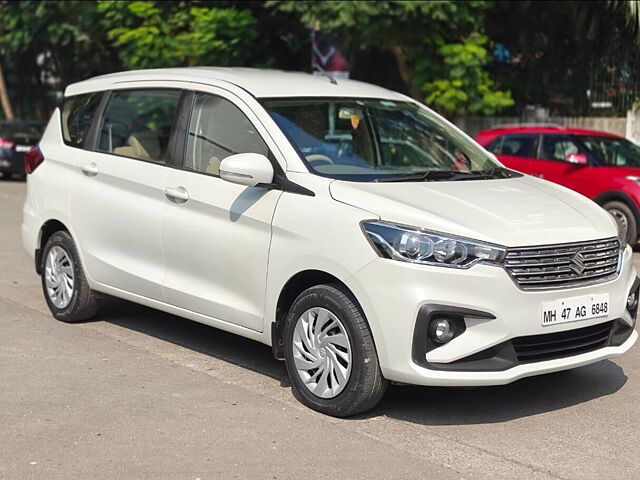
x,y
379,140
613,151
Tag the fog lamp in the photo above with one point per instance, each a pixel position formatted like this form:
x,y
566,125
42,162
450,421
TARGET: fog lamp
x,y
632,301
441,330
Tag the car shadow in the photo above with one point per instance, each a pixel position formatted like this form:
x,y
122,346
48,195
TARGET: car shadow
x,y
439,406
421,405
195,336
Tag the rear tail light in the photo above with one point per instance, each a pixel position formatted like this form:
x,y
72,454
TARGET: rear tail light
x,y
32,159
6,143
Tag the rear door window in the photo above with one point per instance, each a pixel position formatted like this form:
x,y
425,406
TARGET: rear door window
x,y
137,124
519,145
77,115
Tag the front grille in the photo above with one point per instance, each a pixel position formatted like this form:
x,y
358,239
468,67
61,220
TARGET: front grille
x,y
537,348
563,266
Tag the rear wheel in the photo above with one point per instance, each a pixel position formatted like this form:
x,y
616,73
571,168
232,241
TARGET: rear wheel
x,y
330,354
624,216
63,281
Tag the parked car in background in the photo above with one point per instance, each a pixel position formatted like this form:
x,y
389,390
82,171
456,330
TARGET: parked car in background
x,y
16,138
599,165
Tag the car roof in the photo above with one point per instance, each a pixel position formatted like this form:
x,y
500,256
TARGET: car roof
x,y
260,83
495,132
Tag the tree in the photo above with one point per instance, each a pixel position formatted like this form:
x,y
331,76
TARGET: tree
x,y
563,51
466,87
631,10
44,45
4,97
414,33
171,34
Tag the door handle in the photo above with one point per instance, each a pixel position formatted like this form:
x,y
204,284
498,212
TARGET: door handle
x,y
177,194
90,169
539,175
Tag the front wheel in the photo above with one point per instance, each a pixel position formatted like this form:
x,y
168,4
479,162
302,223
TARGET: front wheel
x,y
330,354
624,216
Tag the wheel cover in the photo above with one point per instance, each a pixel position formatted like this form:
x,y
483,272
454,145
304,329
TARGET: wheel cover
x,y
58,277
619,217
322,352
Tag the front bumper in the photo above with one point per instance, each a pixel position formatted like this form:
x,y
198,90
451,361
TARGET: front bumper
x,y
393,293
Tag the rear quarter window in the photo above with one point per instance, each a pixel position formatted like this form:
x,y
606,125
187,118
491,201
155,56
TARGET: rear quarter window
x,y
77,114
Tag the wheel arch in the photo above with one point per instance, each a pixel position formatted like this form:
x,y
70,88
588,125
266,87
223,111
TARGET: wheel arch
x,y
48,228
618,196
297,284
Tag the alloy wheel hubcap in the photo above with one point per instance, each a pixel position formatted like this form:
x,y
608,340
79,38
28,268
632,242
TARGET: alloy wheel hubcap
x,y
59,278
620,217
321,352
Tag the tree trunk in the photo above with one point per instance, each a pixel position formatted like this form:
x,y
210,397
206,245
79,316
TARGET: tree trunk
x,y
403,68
4,97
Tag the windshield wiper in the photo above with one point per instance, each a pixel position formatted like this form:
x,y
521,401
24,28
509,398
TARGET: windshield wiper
x,y
450,175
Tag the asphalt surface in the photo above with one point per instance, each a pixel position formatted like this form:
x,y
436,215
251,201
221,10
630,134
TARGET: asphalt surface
x,y
137,393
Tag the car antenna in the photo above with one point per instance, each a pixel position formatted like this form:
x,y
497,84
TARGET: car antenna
x,y
331,78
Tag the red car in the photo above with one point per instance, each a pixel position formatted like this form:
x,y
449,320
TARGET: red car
x,y
599,165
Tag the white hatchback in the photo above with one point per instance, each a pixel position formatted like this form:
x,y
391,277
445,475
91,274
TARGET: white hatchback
x,y
358,233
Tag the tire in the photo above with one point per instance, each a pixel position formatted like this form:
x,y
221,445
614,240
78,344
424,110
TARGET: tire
x,y
331,311
62,272
622,213
5,175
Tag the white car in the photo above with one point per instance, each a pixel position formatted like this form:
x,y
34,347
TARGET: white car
x,y
266,204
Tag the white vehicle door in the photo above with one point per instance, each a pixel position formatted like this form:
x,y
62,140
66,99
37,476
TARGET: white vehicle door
x,y
215,234
118,192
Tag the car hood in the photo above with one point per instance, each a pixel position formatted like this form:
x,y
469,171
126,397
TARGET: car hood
x,y
512,212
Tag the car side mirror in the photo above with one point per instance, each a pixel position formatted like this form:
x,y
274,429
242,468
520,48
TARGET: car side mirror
x,y
250,169
577,158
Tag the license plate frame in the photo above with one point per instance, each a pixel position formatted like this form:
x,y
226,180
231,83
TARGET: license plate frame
x,y
574,309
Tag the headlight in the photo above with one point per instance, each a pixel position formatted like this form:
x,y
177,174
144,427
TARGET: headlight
x,y
413,245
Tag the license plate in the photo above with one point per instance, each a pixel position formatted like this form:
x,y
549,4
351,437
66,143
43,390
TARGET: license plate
x,y
22,148
574,309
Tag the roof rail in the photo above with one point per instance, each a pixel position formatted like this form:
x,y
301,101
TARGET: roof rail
x,y
530,124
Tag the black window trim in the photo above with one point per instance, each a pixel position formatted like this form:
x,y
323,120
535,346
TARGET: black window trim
x,y
177,145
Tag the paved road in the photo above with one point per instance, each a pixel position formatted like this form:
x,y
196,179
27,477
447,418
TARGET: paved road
x,y
142,394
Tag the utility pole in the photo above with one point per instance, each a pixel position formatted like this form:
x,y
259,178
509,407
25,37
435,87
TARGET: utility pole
x,y
4,97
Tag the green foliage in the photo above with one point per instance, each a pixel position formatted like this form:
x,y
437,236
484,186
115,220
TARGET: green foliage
x,y
387,23
466,87
417,33
45,44
169,34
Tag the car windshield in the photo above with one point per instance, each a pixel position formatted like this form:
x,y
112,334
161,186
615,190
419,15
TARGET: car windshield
x,y
613,151
379,140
